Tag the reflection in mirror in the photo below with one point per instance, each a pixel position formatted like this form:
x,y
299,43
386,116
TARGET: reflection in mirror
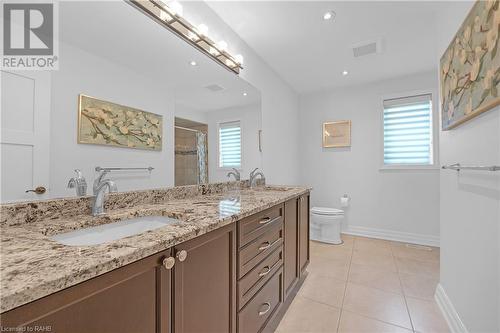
x,y
139,77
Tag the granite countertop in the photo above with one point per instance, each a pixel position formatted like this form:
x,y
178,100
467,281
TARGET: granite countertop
x,y
32,265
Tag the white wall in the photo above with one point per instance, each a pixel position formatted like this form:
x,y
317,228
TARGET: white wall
x,y
470,206
250,122
279,102
81,72
402,204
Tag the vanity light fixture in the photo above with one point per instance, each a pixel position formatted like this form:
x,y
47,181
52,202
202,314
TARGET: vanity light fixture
x,y
329,15
170,16
344,73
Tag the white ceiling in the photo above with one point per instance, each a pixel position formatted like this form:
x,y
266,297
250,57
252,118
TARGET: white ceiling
x,y
135,41
311,53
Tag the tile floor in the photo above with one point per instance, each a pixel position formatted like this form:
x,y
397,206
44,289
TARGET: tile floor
x,y
367,285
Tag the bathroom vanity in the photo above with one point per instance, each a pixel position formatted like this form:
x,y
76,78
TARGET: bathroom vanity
x,y
232,263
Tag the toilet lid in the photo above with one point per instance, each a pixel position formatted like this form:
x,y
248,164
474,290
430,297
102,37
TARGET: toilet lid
x,y
326,211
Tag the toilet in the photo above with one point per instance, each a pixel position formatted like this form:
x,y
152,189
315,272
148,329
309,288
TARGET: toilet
x,y
326,224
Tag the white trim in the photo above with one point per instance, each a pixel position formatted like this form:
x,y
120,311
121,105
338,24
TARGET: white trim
x,y
449,312
397,236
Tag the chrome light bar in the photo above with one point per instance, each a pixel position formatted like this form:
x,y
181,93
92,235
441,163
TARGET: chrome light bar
x,y
171,20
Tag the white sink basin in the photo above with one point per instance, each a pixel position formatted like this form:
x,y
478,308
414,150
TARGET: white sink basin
x,y
113,231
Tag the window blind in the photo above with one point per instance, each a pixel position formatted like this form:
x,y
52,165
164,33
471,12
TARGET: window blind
x,y
408,131
230,144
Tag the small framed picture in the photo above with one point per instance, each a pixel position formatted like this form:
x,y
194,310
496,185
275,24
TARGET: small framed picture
x,y
337,134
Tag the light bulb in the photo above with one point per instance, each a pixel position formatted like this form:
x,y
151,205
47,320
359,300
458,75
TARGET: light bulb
x,y
345,73
329,15
222,45
239,59
245,94
175,8
193,63
202,30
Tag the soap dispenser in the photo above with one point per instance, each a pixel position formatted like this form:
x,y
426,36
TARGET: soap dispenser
x,y
79,184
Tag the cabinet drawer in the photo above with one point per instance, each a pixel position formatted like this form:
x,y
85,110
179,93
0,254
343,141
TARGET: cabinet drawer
x,y
253,281
256,251
255,315
253,226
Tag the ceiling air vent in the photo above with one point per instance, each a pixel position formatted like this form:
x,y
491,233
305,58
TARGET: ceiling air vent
x,y
367,47
214,87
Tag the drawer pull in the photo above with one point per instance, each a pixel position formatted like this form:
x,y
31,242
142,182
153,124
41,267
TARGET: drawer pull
x,y
265,220
169,262
268,305
267,244
266,271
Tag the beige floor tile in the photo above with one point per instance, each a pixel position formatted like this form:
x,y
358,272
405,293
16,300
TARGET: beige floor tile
x,y
330,251
323,289
418,267
426,316
375,277
417,252
333,268
373,245
369,258
418,286
377,304
305,315
353,323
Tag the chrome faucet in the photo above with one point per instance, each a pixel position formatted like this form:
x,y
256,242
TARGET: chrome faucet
x,y
253,176
100,186
234,173
79,184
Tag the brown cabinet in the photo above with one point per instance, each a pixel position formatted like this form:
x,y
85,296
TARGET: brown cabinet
x,y
128,299
204,283
235,278
303,232
291,248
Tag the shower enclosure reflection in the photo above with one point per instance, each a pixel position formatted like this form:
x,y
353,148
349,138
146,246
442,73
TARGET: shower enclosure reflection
x,y
191,158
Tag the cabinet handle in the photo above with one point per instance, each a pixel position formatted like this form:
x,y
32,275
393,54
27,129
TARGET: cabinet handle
x,y
266,271
261,313
264,247
268,244
265,220
169,262
181,255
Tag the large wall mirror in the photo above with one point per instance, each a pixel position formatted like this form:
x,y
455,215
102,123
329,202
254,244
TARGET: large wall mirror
x,y
128,94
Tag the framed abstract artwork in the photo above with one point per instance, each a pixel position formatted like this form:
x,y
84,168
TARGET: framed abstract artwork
x,y
105,123
469,68
337,134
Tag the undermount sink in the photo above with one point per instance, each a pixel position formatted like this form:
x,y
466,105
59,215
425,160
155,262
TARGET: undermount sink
x,y
113,231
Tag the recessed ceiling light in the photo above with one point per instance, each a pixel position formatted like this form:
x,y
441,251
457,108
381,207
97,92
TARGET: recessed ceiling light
x,y
193,63
329,15
345,73
244,94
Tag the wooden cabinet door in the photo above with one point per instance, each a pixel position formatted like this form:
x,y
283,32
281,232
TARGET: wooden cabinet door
x,y
303,232
126,300
204,284
291,245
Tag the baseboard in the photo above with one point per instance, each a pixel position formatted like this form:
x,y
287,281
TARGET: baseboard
x,y
448,310
397,236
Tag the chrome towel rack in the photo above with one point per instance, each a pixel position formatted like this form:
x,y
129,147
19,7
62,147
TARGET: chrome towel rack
x,y
458,167
99,169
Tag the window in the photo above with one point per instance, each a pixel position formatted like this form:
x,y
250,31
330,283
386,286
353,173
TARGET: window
x,y
230,145
408,131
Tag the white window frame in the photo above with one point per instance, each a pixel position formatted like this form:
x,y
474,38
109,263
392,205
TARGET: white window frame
x,y
434,135
240,168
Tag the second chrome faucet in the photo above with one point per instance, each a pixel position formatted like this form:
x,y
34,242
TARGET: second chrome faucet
x,y
100,185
